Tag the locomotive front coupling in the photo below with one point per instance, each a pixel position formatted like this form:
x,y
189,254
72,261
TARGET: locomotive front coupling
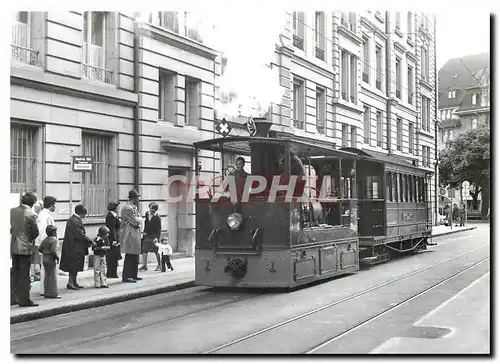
x,y
237,268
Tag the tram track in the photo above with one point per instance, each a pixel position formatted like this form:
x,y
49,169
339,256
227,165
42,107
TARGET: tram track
x,y
349,298
359,325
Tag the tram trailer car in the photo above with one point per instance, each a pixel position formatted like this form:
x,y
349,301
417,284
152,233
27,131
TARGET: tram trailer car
x,y
393,206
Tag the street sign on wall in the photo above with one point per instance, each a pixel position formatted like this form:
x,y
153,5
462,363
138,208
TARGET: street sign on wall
x,y
82,164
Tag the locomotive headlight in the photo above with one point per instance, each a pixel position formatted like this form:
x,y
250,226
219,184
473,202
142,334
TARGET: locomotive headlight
x,y
234,221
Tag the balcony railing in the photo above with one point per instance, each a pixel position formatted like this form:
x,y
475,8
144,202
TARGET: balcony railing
x,y
320,53
93,64
298,42
365,77
21,50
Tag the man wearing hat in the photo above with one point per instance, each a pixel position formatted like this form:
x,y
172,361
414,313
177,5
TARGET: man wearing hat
x,y
130,237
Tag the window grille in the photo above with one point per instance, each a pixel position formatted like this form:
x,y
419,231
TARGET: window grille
x,y
96,185
23,159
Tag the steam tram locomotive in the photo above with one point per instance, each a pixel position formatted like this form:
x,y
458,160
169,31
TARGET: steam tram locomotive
x,y
361,209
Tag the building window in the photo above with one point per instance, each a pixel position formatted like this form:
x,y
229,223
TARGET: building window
x,y
366,125
409,26
395,187
354,79
320,35
399,133
411,133
474,99
388,184
366,61
96,185
25,159
426,156
345,136
451,94
321,110
344,69
411,82
24,39
398,78
398,20
354,136
378,66
95,47
424,59
192,102
352,22
426,104
474,123
379,128
166,19
298,29
166,109
298,103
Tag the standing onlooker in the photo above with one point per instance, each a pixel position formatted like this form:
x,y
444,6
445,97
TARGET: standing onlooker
x,y
100,246
462,215
36,257
455,214
130,237
75,247
45,219
48,248
166,251
113,255
24,231
152,231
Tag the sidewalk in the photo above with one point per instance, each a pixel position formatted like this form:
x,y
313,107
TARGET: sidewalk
x,y
151,284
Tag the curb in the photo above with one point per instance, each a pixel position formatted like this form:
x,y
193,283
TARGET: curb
x,y
453,232
30,316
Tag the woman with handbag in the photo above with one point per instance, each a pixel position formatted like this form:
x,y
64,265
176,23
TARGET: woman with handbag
x,y
113,255
152,232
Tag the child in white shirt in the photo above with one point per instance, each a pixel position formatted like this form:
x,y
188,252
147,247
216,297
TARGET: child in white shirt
x,y
165,251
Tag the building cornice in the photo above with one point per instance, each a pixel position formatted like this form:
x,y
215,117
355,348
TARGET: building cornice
x,y
472,111
372,27
400,47
44,81
348,33
174,39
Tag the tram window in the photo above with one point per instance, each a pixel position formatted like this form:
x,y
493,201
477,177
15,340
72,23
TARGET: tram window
x,y
388,184
406,187
410,188
415,198
395,186
401,190
375,186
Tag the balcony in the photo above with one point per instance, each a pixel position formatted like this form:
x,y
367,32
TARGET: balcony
x,y
21,51
365,77
320,53
298,42
93,65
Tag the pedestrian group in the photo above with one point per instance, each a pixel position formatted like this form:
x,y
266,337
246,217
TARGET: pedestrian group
x,y
34,242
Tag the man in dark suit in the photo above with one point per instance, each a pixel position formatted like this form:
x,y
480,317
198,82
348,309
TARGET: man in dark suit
x,y
24,231
75,247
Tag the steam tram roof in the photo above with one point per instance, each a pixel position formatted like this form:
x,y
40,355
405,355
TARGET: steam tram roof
x,y
242,145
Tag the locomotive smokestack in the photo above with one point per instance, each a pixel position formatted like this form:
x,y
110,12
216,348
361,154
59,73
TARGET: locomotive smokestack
x,y
263,125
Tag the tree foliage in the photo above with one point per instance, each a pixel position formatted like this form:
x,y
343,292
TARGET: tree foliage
x,y
467,158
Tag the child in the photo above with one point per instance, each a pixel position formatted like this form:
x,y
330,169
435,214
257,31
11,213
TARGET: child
x,y
48,247
100,246
165,250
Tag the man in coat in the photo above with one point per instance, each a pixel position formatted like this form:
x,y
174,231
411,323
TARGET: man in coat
x,y
24,231
130,237
74,247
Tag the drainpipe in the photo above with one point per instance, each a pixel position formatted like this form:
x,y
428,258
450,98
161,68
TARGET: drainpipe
x,y
436,167
388,76
136,108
